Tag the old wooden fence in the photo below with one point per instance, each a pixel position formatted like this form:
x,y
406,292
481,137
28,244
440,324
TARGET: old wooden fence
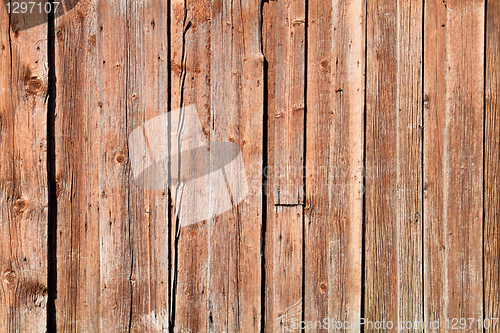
x,y
370,135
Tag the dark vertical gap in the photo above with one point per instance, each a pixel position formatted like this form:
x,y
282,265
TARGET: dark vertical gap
x,y
169,177
422,171
51,178
265,165
185,26
363,233
485,57
304,162
129,213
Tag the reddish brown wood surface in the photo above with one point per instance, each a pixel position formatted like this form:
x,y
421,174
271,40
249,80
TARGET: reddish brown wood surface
x,y
334,161
453,160
112,253
23,175
369,134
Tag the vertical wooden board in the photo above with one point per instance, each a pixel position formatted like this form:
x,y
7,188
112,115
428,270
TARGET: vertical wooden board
x,y
191,82
492,167
288,67
435,229
284,50
454,159
146,98
334,162
112,235
77,170
394,275
234,303
409,163
23,174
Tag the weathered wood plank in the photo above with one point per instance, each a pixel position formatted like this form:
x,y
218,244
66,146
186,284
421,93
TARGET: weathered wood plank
x,y
394,274
334,161
77,172
287,66
237,116
147,91
112,235
191,82
492,167
284,48
217,67
453,154
23,174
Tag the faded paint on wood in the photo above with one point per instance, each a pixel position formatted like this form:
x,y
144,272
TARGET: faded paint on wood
x,y
393,243
23,175
334,161
453,156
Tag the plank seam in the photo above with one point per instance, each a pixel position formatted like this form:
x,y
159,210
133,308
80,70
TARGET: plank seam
x,y
265,164
51,178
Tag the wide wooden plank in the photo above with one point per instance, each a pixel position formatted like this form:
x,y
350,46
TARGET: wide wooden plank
x,y
334,162
112,250
217,68
394,274
453,155
23,173
492,167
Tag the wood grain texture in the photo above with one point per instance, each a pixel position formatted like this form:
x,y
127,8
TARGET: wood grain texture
x,y
394,274
287,67
23,176
112,251
284,49
237,116
453,155
334,169
217,66
191,82
492,166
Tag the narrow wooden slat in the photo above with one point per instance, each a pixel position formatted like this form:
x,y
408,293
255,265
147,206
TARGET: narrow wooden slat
x,y
394,274
284,49
453,154
236,68
492,167
112,251
23,173
334,161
